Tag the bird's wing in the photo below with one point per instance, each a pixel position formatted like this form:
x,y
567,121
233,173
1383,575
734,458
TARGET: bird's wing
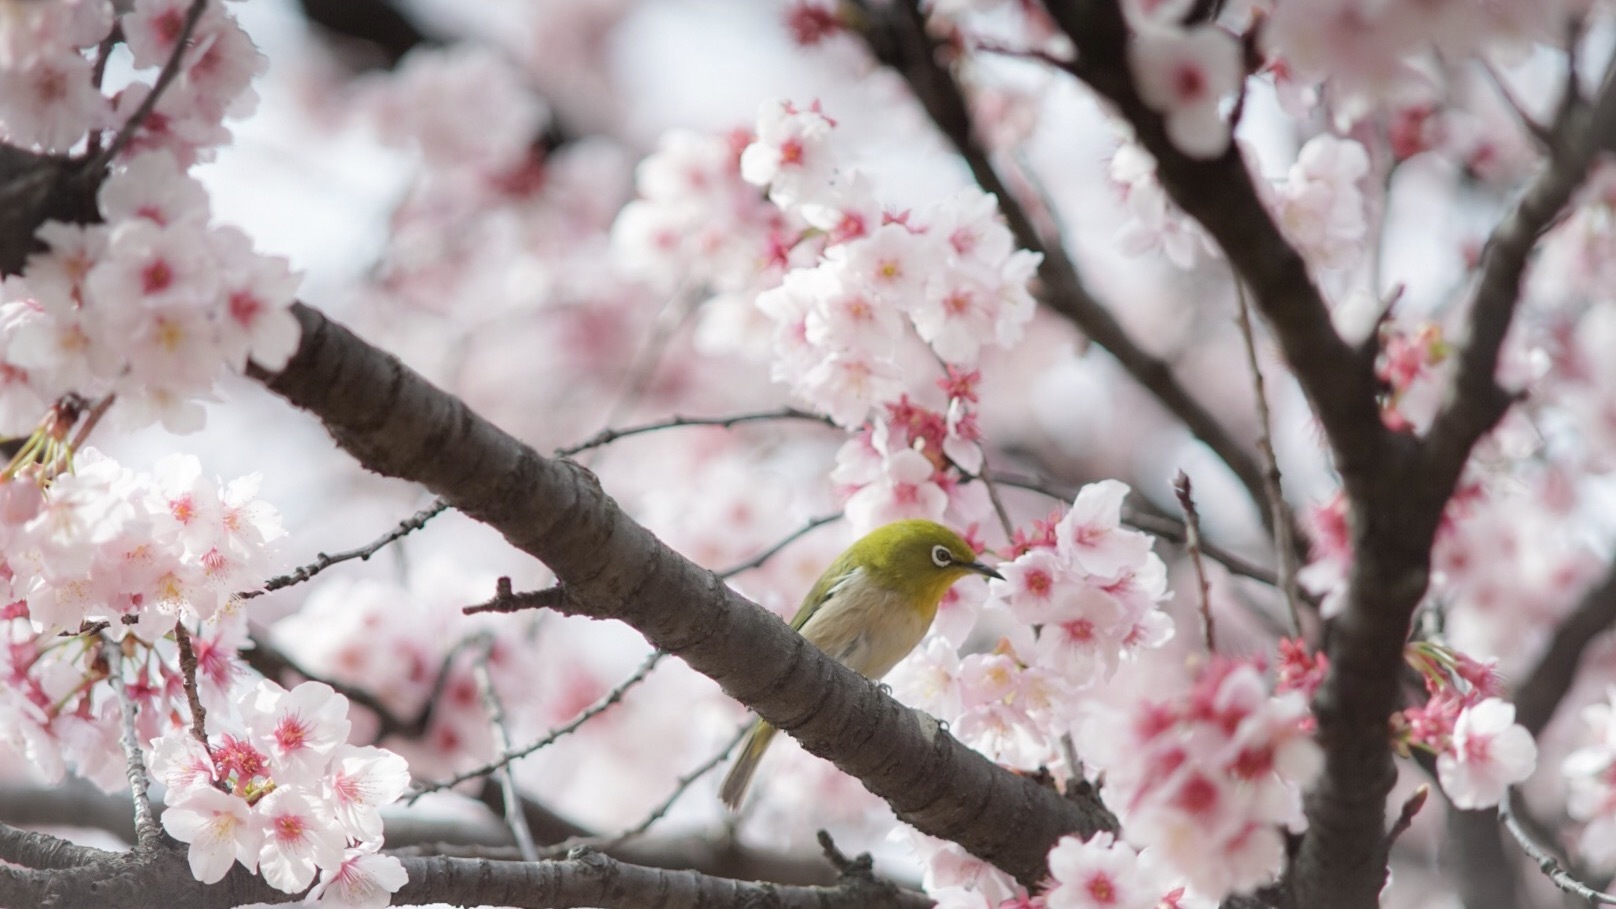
x,y
837,576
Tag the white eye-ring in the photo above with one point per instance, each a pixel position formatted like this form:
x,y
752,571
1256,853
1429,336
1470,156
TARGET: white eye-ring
x,y
941,557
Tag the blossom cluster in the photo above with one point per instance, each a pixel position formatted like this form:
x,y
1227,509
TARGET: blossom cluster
x,y
1590,772
1481,750
132,553
1207,781
1184,73
1102,872
104,543
282,793
49,93
152,305
950,274
156,301
1082,597
906,462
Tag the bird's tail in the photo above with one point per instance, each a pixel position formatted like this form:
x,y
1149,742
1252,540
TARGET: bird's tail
x,y
740,775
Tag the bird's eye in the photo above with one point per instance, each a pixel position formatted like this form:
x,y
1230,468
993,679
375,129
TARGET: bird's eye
x,y
941,557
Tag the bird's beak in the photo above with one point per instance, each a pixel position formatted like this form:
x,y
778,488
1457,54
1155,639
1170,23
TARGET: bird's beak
x,y
984,570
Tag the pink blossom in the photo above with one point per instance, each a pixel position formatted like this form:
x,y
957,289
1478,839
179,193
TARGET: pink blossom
x,y
364,880
221,829
298,729
153,186
1154,221
1031,585
464,105
1321,208
956,315
181,762
51,103
1184,74
1101,873
904,490
1490,753
1590,772
791,154
929,679
362,780
1091,535
846,384
300,836
892,263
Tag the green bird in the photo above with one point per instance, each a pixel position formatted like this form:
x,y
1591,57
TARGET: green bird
x,y
868,610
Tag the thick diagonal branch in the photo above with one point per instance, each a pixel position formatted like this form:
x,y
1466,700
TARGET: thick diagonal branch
x,y
396,423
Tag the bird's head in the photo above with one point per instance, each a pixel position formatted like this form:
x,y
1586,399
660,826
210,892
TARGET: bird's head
x,y
920,558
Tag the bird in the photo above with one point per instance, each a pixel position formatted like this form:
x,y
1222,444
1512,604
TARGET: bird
x,y
868,610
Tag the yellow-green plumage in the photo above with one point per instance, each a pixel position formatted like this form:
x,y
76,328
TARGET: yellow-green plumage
x,y
868,610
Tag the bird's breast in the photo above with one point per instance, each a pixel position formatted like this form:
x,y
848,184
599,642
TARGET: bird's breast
x,y
866,627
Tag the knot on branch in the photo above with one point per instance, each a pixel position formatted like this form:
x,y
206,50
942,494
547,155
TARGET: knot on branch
x,y
860,869
505,600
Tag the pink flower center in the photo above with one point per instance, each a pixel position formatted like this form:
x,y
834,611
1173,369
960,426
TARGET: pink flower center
x,y
291,733
245,307
1197,795
1189,82
1102,890
157,276
1078,630
289,828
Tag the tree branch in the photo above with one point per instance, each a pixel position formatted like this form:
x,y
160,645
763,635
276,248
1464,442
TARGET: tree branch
x,y
399,425
1540,693
1218,193
1475,401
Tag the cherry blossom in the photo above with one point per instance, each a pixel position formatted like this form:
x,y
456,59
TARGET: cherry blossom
x,y
300,836
360,782
364,880
1321,207
220,828
300,728
791,155
1592,780
1099,873
1185,74
1490,752
1208,782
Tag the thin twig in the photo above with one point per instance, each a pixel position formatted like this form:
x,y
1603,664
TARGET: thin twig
x,y
514,815
608,843
171,69
605,437
322,561
199,714
505,600
998,503
1540,133
767,554
1548,864
1192,530
1284,545
667,321
1405,817
147,833
601,706
1157,525
608,436
98,411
